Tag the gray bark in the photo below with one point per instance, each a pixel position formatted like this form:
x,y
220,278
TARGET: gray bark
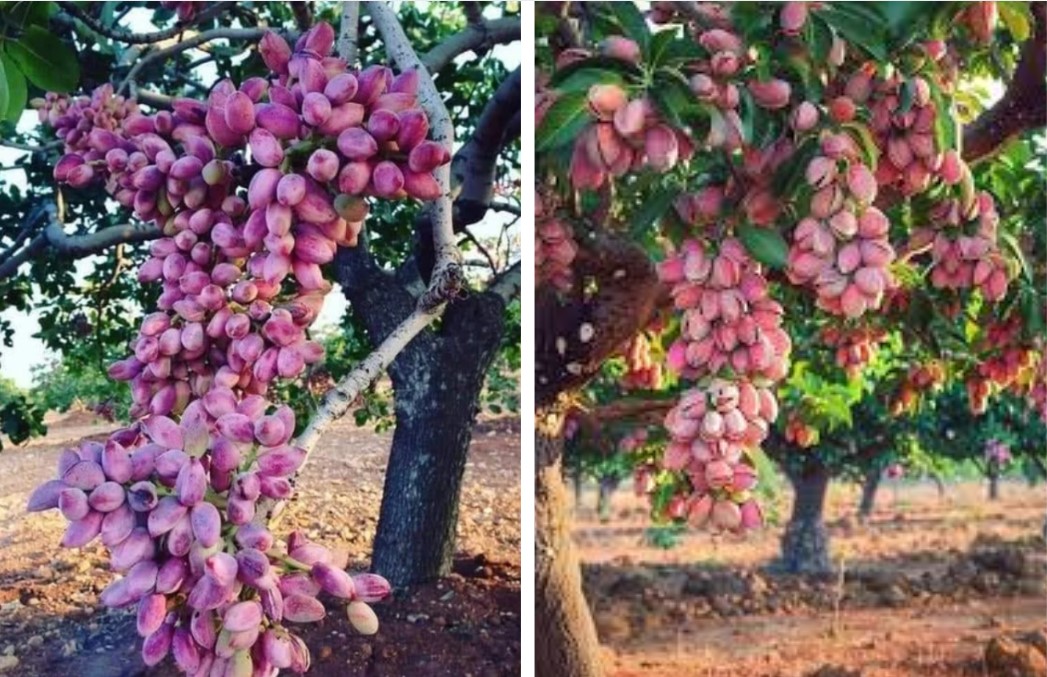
x,y
437,380
869,489
805,544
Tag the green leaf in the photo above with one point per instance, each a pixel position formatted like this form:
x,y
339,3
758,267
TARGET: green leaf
x,y
1017,18
906,96
857,29
906,20
48,62
661,43
945,133
683,50
865,140
633,24
766,245
5,87
563,122
1016,250
582,80
820,39
625,69
22,14
1032,313
13,93
653,208
672,96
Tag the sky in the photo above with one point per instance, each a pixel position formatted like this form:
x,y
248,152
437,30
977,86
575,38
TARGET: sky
x,y
28,351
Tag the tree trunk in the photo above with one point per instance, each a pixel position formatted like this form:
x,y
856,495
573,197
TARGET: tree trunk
x,y
437,386
939,484
565,637
994,485
608,485
436,379
805,544
869,487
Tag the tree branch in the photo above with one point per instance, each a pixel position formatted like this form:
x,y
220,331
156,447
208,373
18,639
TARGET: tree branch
x,y
507,284
190,43
507,207
56,240
13,258
30,148
482,249
629,409
9,266
476,37
154,99
475,164
142,38
446,280
615,295
473,168
348,31
93,243
1024,104
303,15
473,12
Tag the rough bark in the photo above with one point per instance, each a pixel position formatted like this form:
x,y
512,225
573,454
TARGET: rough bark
x,y
437,380
437,388
869,488
573,337
565,637
805,544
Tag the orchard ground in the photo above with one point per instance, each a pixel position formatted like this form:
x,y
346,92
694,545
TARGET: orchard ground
x,y
52,625
927,583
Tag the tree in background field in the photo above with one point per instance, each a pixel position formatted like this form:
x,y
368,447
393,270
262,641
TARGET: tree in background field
x,y
438,377
814,219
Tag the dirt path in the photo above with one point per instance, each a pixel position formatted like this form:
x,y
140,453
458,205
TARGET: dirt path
x,y
946,641
927,583
468,623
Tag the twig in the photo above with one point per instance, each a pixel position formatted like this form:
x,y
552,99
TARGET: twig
x,y
30,148
507,207
483,250
475,37
9,266
54,238
142,38
348,31
446,280
190,43
93,243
